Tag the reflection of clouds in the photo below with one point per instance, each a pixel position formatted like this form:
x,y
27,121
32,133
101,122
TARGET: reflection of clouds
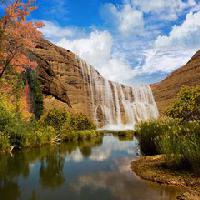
x,y
111,144
32,165
101,153
75,156
123,165
122,185
99,156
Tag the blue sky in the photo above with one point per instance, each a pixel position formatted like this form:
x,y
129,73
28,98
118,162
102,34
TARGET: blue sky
x,y
129,41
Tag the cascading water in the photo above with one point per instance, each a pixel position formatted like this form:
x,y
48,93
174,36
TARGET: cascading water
x,y
115,106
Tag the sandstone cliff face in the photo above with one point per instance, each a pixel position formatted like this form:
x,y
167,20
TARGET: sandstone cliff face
x,y
60,78
166,90
70,83
66,83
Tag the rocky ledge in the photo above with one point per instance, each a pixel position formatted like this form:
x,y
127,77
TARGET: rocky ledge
x,y
152,168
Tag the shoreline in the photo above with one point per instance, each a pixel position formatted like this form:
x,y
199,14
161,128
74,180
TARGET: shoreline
x,y
77,136
150,168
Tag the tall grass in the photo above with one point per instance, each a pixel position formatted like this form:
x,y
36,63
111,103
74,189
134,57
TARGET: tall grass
x,y
182,146
177,137
149,131
179,141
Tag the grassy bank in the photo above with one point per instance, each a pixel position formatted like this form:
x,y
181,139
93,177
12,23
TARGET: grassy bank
x,y
53,126
171,146
179,141
178,134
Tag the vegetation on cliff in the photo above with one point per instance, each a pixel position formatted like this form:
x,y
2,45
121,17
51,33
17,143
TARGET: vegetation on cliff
x,y
177,135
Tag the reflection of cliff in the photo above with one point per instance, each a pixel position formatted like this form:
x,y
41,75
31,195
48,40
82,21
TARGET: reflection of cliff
x,y
166,90
70,82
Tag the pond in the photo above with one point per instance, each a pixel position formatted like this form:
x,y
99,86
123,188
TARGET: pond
x,y
98,170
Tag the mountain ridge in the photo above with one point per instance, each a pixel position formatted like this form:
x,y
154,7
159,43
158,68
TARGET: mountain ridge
x,y
166,90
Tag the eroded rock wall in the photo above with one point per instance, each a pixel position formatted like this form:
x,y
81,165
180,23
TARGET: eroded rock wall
x,y
69,82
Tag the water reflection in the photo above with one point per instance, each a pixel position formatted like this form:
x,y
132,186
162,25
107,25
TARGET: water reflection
x,y
9,190
121,185
51,169
96,169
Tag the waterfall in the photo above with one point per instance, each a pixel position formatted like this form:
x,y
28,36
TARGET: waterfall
x,y
115,106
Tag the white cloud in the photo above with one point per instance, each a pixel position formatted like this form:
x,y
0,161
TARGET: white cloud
x,y
96,49
126,18
55,32
186,35
165,9
174,50
120,58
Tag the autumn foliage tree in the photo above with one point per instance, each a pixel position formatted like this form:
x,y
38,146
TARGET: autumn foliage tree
x,y
17,35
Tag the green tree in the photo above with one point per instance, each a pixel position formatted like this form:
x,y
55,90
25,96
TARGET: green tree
x,y
35,93
57,119
81,122
187,104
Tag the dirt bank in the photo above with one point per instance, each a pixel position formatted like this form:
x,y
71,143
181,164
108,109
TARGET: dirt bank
x,y
152,168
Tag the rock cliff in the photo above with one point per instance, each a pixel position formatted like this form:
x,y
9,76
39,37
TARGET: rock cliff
x,y
69,82
60,77
166,90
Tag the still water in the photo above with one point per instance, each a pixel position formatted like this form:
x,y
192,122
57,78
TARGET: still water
x,y
96,170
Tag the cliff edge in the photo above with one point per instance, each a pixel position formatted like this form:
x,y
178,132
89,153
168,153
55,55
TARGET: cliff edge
x,y
188,75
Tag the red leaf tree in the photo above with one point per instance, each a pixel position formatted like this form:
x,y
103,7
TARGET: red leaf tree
x,y
17,35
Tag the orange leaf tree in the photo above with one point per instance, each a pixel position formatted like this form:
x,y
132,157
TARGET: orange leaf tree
x,y
17,35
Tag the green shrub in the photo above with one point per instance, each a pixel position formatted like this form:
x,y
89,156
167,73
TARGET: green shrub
x,y
124,135
87,134
150,130
38,135
35,93
15,131
182,146
6,113
81,122
187,105
79,135
5,118
179,141
57,119
4,142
